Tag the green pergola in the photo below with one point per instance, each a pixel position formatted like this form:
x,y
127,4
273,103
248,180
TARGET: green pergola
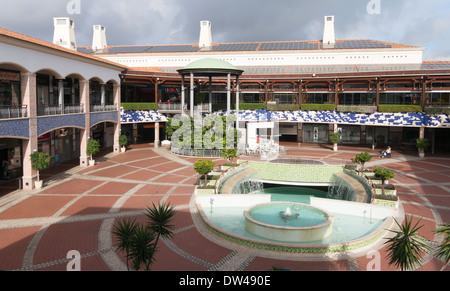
x,y
209,67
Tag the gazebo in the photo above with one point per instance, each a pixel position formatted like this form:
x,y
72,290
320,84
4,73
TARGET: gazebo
x,y
209,67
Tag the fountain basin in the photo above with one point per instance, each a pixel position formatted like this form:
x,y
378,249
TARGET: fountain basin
x,y
288,222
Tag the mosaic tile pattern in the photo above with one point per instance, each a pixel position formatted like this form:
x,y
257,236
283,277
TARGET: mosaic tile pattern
x,y
128,116
97,118
381,119
49,123
15,128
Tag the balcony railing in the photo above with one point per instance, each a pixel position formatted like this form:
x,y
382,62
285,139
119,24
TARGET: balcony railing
x,y
44,110
13,111
177,107
103,107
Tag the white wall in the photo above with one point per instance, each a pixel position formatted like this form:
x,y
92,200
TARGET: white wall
x,y
34,61
286,58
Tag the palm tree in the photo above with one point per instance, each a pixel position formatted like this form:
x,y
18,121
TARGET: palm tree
x,y
160,221
142,247
124,230
443,251
405,247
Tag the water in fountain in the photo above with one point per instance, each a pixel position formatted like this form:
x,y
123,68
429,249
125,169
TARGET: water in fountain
x,y
341,189
248,185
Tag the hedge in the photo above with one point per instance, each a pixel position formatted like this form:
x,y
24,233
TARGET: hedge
x,y
399,108
318,107
140,106
437,110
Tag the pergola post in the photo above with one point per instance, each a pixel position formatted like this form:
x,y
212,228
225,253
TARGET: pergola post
x,y
183,96
191,107
228,93
210,94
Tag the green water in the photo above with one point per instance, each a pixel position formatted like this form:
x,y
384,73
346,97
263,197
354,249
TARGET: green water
x,y
293,194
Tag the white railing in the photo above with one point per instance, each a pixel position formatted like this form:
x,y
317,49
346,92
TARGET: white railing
x,y
13,111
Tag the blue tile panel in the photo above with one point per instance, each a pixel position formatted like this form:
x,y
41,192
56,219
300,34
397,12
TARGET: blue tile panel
x,y
49,123
143,116
110,116
378,119
15,128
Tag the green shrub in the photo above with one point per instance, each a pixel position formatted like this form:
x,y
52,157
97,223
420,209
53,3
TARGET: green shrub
x,y
283,107
123,140
93,147
40,161
318,107
422,143
251,106
140,106
437,110
399,108
335,137
204,167
357,108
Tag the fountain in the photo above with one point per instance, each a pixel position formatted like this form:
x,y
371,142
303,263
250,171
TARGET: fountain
x,y
288,222
340,189
288,215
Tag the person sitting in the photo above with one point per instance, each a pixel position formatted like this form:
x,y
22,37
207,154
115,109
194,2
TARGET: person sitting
x,y
388,152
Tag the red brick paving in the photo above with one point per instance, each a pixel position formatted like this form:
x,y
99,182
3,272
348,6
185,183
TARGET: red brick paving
x,y
74,186
141,202
113,188
90,205
36,206
59,238
13,244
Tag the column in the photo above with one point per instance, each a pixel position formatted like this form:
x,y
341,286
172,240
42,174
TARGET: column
x,y
210,94
28,88
117,126
192,96
157,135
237,102
228,93
103,95
85,133
183,96
61,95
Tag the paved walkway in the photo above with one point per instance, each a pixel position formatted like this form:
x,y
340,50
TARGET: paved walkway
x,y
78,207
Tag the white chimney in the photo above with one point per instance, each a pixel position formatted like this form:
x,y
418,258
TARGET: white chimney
x,y
64,33
329,38
99,44
205,41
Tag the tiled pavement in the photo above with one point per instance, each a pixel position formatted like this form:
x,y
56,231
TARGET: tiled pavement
x,y
78,207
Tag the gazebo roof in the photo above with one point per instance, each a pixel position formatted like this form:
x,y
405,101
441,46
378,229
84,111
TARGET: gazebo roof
x,y
210,67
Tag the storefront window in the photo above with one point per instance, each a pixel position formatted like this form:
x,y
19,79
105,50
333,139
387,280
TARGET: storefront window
x,y
400,98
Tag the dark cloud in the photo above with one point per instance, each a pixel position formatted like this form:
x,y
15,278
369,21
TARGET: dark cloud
x,y
415,22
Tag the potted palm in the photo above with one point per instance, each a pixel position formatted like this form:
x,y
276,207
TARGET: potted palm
x,y
422,144
123,141
39,161
335,138
93,147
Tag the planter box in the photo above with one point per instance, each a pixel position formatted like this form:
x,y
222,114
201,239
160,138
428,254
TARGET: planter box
x,y
387,203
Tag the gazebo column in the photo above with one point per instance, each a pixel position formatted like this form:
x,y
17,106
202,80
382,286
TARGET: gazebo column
x,y
183,95
192,96
237,102
210,94
228,93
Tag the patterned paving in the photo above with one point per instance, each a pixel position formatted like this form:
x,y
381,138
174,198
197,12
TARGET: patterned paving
x,y
78,207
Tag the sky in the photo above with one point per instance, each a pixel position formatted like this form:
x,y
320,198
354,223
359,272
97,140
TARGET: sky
x,y
148,22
